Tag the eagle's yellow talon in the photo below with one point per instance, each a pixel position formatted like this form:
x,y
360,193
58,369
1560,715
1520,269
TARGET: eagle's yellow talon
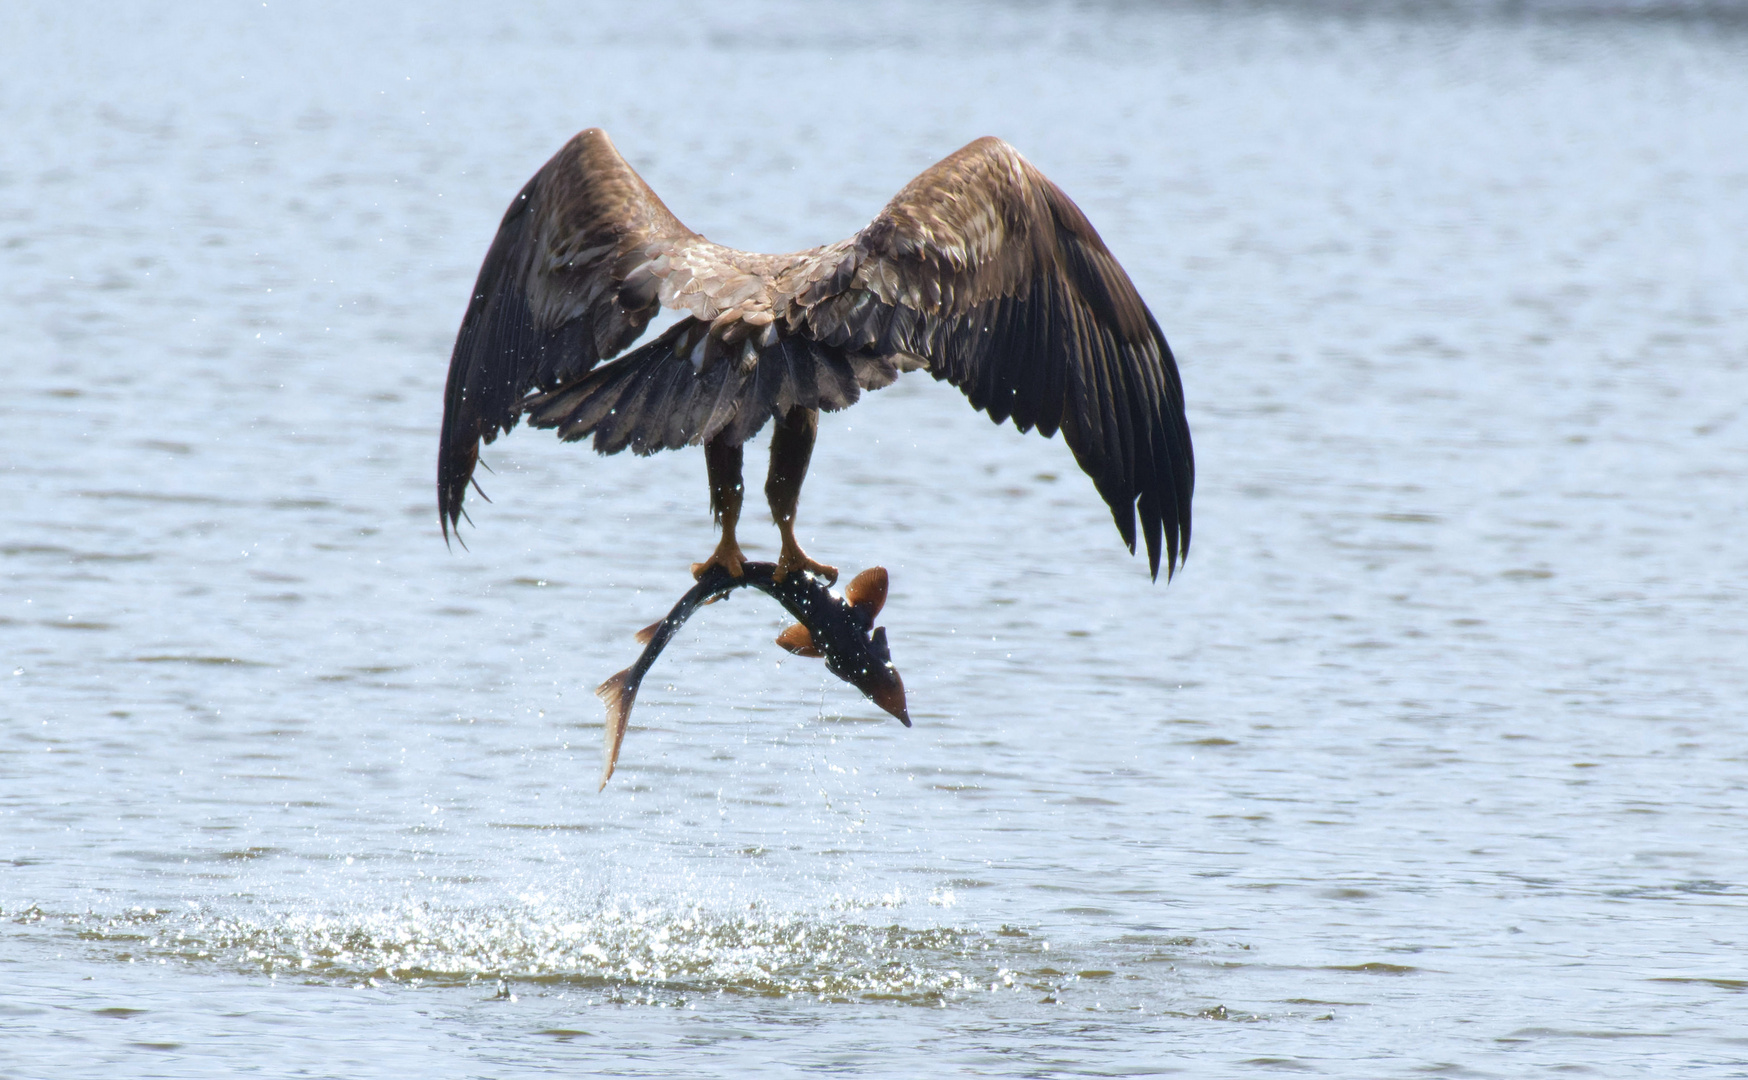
x,y
727,555
794,559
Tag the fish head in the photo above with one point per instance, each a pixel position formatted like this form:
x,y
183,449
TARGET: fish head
x,y
884,688
880,681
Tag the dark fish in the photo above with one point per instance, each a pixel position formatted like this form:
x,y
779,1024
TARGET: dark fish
x,y
839,630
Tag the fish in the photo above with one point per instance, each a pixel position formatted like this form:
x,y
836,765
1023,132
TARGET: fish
x,y
838,630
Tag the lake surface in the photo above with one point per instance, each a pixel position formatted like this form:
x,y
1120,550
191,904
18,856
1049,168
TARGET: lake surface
x,y
1433,761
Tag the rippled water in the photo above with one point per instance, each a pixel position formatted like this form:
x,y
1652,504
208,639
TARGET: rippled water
x,y
1432,761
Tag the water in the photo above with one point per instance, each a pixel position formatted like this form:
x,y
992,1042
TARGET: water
x,y
1432,761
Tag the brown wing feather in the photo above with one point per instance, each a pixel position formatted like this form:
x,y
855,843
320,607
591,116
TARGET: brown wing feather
x,y
553,297
653,399
984,269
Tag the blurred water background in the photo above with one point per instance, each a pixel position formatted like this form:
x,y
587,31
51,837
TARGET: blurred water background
x,y
1432,761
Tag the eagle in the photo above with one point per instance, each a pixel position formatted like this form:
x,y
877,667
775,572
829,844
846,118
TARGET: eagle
x,y
980,272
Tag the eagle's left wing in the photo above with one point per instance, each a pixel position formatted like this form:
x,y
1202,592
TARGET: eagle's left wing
x,y
564,286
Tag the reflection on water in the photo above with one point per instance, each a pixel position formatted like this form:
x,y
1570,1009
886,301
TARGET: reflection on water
x,y
1430,758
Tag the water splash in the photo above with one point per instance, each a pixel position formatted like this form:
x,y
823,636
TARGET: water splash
x,y
629,950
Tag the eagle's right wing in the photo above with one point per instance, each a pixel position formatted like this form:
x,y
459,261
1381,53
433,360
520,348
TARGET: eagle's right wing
x,y
985,272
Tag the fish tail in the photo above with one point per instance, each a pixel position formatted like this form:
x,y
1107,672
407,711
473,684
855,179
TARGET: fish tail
x,y
619,693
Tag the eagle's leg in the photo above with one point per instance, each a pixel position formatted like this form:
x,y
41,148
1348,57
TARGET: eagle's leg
x,y
791,449
722,462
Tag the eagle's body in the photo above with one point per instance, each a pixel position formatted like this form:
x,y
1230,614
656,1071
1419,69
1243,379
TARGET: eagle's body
x,y
980,271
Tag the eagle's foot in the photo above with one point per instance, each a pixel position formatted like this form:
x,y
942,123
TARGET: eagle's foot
x,y
727,555
793,558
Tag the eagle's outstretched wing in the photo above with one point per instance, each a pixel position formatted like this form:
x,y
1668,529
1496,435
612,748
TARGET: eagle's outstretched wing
x,y
983,269
552,299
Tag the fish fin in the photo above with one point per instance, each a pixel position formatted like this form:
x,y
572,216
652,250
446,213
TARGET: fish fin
x,y
798,640
619,695
867,592
648,632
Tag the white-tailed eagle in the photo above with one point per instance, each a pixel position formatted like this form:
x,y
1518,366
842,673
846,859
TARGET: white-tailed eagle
x,y
980,272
